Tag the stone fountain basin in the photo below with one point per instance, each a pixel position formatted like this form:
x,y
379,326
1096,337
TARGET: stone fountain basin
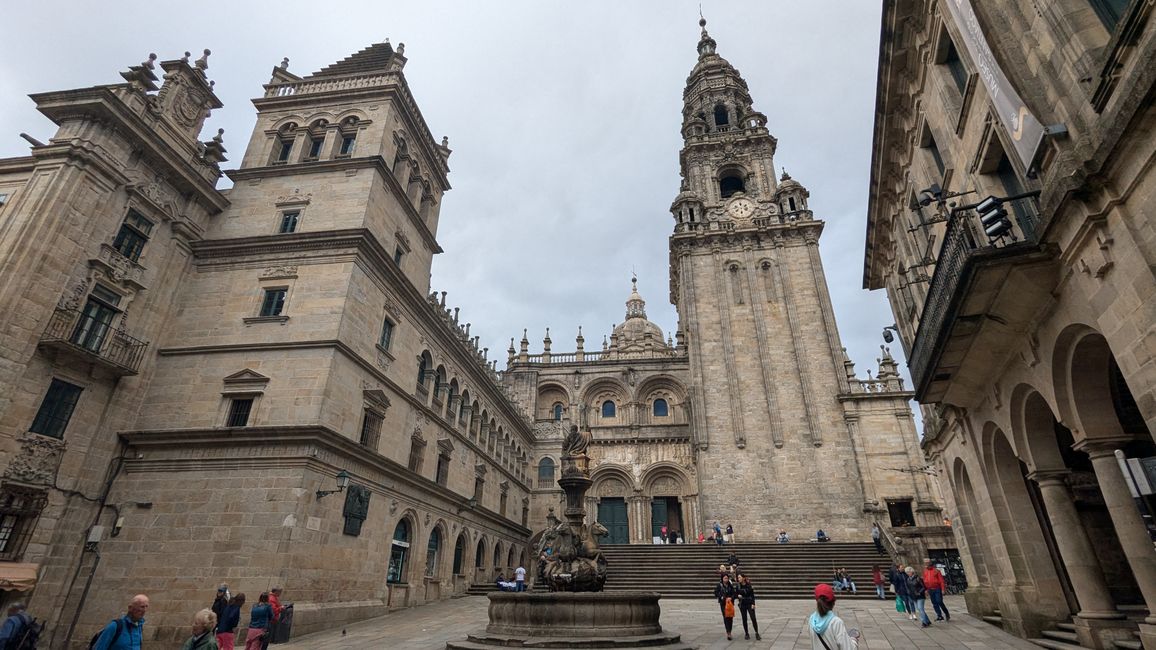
x,y
575,614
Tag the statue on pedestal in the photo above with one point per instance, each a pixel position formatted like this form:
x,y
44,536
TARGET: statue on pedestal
x,y
573,560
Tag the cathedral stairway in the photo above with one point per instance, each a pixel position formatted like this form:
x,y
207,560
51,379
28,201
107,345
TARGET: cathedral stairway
x,y
776,570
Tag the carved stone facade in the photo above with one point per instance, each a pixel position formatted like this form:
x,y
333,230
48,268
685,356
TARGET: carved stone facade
x,y
1031,350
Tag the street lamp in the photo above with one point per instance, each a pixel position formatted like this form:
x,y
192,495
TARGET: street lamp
x,y
342,483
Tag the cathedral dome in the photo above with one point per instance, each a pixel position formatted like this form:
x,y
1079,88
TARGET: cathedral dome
x,y
636,332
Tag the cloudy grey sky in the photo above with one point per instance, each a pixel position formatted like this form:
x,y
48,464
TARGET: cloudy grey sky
x,y
563,116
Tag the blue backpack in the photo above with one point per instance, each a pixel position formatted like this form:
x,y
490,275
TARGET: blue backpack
x,y
115,635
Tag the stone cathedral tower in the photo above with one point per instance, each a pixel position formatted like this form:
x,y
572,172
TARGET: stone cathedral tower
x,y
774,447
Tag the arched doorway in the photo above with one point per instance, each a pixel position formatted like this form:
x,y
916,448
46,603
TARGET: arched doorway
x,y
399,553
666,506
480,560
612,510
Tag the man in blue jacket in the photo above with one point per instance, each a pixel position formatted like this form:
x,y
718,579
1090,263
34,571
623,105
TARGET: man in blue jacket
x,y
125,633
14,625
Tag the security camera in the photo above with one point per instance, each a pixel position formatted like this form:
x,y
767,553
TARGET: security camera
x,y
888,336
930,195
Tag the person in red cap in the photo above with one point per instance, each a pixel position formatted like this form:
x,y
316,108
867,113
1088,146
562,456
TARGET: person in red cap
x,y
827,631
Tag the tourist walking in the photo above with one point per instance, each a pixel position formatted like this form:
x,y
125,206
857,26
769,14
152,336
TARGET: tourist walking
x,y
13,630
724,593
204,622
662,533
227,624
899,585
827,631
877,537
275,603
933,581
730,536
746,598
221,602
126,632
917,593
877,580
260,620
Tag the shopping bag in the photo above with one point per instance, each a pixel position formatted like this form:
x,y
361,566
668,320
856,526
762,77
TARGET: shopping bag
x,y
729,609
899,604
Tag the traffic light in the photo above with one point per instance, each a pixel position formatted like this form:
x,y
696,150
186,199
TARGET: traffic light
x,y
993,217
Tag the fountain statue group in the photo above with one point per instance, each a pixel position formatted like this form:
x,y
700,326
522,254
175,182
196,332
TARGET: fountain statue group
x,y
569,549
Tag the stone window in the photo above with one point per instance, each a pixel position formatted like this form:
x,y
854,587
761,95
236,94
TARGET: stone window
x,y
283,146
315,148
240,408
56,409
134,234
371,429
19,509
947,56
431,552
416,454
386,334
422,368
274,302
720,115
557,411
284,149
661,409
289,220
398,553
609,410
730,183
479,488
397,255
443,473
927,141
546,473
96,319
900,512
502,504
459,551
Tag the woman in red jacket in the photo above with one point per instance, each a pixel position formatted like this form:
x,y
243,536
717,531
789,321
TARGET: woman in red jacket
x,y
933,580
877,580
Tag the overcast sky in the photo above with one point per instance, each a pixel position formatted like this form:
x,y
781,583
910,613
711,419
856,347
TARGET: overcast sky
x,y
563,117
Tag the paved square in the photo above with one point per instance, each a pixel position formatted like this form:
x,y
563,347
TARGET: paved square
x,y
781,622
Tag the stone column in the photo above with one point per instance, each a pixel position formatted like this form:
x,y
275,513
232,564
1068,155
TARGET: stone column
x,y
1126,519
1075,547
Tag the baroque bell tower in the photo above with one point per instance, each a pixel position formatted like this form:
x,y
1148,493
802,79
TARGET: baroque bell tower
x,y
766,365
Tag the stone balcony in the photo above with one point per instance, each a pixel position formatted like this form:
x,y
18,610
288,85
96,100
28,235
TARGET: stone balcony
x,y
982,296
74,333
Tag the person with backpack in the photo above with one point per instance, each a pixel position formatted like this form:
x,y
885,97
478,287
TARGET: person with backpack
x,y
19,631
126,632
227,626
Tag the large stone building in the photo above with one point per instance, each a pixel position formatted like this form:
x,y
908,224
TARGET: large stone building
x,y
1030,336
256,386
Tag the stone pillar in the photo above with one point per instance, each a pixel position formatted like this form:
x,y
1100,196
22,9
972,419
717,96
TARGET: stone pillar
x,y
1126,519
1075,548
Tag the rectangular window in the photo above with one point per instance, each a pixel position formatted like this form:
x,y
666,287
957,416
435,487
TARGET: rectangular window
x,y
134,234
1109,12
239,410
286,149
19,509
397,255
955,66
415,456
502,505
479,484
96,319
314,148
56,409
289,221
443,475
386,334
371,429
273,303
347,145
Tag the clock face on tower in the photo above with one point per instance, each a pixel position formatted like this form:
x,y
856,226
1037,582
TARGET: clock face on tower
x,y
741,208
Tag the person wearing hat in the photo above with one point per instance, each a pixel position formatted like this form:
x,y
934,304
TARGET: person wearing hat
x,y
827,630
221,602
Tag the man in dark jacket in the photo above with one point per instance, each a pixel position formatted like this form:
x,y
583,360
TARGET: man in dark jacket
x,y
898,579
917,594
221,603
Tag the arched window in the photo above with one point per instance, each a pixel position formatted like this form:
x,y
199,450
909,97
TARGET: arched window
x,y
661,409
431,552
399,550
557,411
480,555
608,409
348,137
720,115
421,370
546,473
284,145
459,550
730,184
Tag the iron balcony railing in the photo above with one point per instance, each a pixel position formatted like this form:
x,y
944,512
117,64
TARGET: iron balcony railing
x,y
963,240
96,339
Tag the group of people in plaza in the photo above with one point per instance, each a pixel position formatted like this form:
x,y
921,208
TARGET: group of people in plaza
x,y
214,628
519,581
913,589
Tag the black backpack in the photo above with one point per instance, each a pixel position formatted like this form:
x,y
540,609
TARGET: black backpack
x,y
27,637
115,636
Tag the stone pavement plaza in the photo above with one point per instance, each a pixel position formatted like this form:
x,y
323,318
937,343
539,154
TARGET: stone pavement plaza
x,y
781,622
